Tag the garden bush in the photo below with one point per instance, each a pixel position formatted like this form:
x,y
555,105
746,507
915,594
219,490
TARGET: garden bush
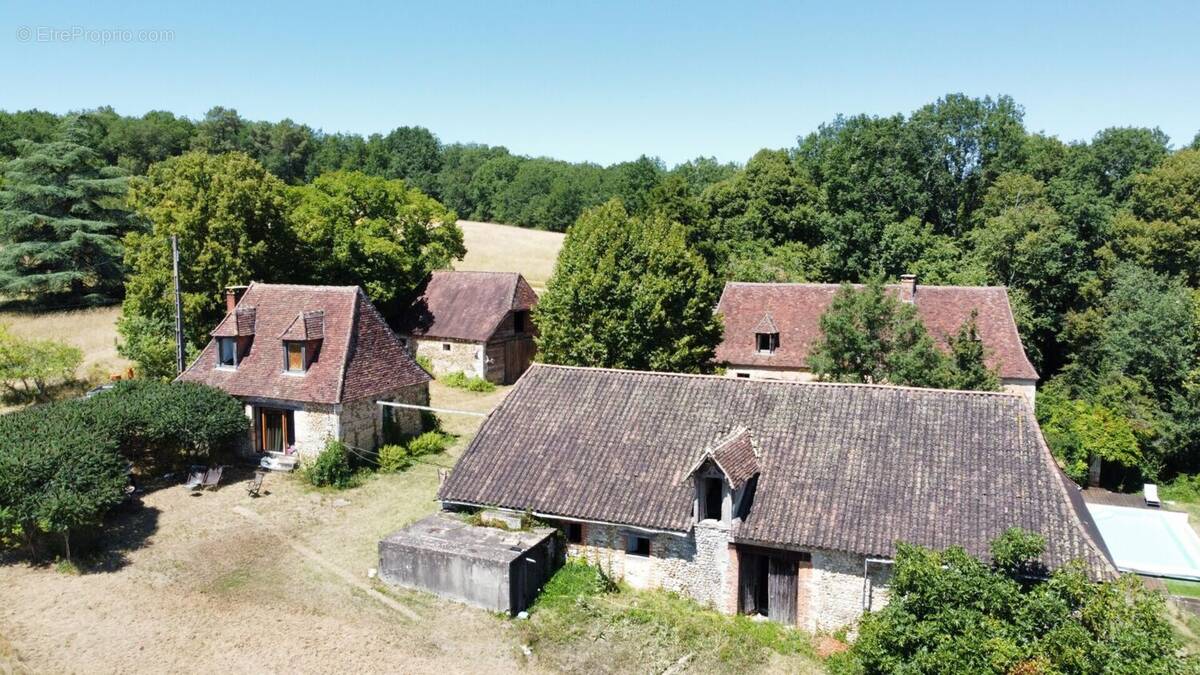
x,y
468,382
330,468
425,362
399,456
64,465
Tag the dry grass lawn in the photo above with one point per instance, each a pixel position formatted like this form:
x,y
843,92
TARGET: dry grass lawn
x,y
191,582
92,330
504,248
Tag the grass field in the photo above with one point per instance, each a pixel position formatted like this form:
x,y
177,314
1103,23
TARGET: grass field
x,y
504,248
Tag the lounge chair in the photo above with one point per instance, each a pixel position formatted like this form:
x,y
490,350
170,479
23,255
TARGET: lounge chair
x,y
255,484
195,479
1150,490
212,479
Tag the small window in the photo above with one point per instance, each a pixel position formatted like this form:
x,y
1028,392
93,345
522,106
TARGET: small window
x,y
227,348
519,321
445,346
573,532
767,342
714,497
744,375
635,544
295,357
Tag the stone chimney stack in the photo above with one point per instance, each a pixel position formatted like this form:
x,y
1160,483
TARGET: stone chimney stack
x,y
232,295
908,288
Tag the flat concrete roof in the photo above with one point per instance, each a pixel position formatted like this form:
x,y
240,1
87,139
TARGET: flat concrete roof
x,y
450,533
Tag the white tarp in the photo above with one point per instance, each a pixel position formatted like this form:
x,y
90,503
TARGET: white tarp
x,y
1149,541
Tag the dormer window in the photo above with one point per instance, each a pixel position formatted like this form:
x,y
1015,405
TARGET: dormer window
x,y
227,352
712,497
767,343
295,359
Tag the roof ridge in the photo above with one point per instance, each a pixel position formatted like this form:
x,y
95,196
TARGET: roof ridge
x,y
838,284
454,271
319,287
351,344
813,383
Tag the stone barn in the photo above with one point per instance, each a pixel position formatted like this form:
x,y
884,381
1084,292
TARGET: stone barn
x,y
310,363
770,328
477,323
781,499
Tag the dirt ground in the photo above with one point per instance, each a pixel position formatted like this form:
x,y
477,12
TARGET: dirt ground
x,y
278,584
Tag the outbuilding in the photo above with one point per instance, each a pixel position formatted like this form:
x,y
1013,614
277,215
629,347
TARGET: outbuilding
x,y
477,323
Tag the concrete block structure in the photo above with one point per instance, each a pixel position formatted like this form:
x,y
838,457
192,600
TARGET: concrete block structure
x,y
486,567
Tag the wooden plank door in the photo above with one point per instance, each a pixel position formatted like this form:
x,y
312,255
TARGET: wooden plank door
x,y
781,587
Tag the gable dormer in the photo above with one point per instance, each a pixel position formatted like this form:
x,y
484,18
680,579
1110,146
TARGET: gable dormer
x,y
302,341
766,335
723,477
234,336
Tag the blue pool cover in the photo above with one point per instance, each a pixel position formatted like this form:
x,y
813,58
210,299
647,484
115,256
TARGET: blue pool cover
x,y
1149,541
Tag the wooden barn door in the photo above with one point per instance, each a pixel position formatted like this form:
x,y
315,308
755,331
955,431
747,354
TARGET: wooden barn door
x,y
752,583
517,356
781,585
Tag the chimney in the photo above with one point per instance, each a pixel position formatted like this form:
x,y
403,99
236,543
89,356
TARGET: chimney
x,y
908,288
232,295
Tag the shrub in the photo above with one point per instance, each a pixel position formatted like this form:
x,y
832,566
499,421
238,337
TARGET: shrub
x,y
394,458
36,365
331,468
469,382
425,362
951,613
428,443
64,465
399,456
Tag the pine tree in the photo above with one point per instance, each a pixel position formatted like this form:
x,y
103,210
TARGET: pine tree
x,y
61,223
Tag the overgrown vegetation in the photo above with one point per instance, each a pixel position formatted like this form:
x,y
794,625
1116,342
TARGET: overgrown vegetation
x,y
870,336
460,380
648,631
399,456
63,466
951,613
31,369
331,468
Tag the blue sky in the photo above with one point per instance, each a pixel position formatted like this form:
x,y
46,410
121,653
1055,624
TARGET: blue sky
x,y
608,81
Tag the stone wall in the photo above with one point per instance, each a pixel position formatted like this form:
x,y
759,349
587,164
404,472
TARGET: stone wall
x,y
767,373
694,565
837,591
461,357
316,423
362,420
1026,388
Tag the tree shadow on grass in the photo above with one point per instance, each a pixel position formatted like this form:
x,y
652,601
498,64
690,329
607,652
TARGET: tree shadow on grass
x,y
125,530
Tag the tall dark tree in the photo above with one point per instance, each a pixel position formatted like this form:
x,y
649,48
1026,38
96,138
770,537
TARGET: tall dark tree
x,y
222,130
61,223
412,154
629,292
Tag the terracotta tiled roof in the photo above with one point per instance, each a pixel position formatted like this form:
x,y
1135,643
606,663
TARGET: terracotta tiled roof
x,y
796,310
359,355
241,322
736,456
844,467
466,305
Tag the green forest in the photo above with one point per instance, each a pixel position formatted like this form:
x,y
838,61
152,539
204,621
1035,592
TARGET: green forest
x,y
1098,241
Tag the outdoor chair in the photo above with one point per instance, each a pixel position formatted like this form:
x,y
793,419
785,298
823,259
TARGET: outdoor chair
x,y
195,479
255,484
212,479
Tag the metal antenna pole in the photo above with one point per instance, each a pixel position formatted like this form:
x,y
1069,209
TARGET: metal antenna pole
x,y
179,356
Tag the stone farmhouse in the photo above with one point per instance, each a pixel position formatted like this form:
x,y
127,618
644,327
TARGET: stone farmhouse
x,y
770,328
473,322
310,362
784,499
